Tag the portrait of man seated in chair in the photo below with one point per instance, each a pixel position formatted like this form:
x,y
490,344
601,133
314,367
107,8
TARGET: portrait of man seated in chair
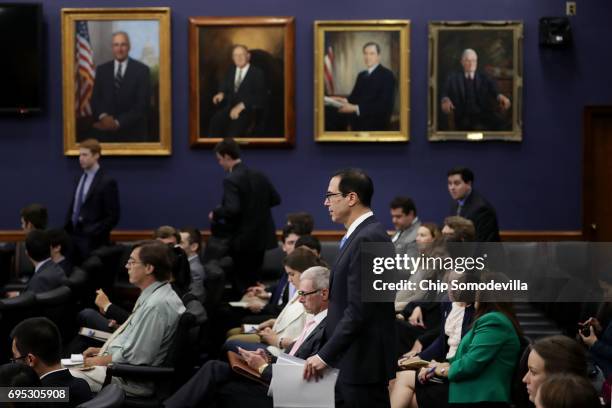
x,y
241,76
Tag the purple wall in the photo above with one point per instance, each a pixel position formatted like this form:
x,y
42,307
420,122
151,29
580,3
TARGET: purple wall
x,y
534,185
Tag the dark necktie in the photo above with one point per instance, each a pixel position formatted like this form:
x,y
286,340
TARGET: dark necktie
x,y
79,201
459,208
118,77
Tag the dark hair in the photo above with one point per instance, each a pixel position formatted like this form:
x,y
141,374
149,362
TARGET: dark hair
x,y
466,174
228,147
59,237
38,245
158,255
370,44
92,144
286,231
358,182
38,336
310,242
505,308
301,259
302,221
561,354
35,214
464,229
194,236
568,391
433,229
405,203
167,231
18,375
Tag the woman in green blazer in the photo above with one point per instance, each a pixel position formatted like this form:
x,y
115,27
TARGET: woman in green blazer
x,y
480,373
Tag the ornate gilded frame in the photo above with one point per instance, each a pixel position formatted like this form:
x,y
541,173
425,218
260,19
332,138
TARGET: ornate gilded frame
x,y
197,136
70,16
492,38
401,114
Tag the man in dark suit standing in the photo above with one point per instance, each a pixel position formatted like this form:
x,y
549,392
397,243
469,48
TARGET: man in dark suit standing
x,y
121,96
37,343
468,203
242,92
473,97
94,208
361,338
370,103
244,216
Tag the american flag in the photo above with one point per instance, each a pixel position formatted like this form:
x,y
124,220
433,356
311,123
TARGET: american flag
x,y
85,69
328,70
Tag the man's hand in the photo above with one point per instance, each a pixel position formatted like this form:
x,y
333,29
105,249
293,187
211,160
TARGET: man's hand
x,y
218,98
106,123
101,300
254,359
12,294
268,323
339,99
348,108
255,307
590,339
593,322
236,111
91,352
112,324
314,368
268,336
98,361
447,105
504,102
416,318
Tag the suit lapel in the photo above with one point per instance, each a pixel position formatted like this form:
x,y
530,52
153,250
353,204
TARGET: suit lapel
x,y
93,185
348,242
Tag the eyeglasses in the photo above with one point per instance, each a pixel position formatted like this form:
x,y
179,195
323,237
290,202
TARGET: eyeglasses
x,y
16,359
304,294
131,262
328,196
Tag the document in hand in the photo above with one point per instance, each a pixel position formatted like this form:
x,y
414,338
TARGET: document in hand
x,y
290,390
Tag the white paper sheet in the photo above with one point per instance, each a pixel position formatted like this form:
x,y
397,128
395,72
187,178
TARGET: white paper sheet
x,y
290,390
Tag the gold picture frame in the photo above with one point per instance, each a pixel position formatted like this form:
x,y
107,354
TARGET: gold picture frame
x,y
129,114
362,81
267,92
487,104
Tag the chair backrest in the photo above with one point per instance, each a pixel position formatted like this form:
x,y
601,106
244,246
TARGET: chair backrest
x,y
111,396
58,306
77,279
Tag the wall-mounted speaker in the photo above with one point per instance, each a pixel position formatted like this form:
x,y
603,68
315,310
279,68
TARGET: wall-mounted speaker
x,y
555,32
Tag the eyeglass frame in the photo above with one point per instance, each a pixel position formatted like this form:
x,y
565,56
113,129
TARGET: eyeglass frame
x,y
328,196
301,293
132,261
16,359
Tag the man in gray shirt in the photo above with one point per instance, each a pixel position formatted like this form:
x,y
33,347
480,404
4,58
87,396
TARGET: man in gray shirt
x,y
146,336
406,223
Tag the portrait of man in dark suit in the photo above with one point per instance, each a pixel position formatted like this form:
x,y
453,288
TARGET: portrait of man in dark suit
x,y
241,95
370,104
472,97
121,96
242,80
475,81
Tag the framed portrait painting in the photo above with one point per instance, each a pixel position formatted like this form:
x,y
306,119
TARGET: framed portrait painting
x,y
362,81
116,79
241,75
475,81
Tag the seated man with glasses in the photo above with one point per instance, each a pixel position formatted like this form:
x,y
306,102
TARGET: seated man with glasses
x,y
37,343
145,337
215,381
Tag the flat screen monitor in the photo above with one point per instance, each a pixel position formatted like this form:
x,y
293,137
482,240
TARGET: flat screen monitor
x,y
21,70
